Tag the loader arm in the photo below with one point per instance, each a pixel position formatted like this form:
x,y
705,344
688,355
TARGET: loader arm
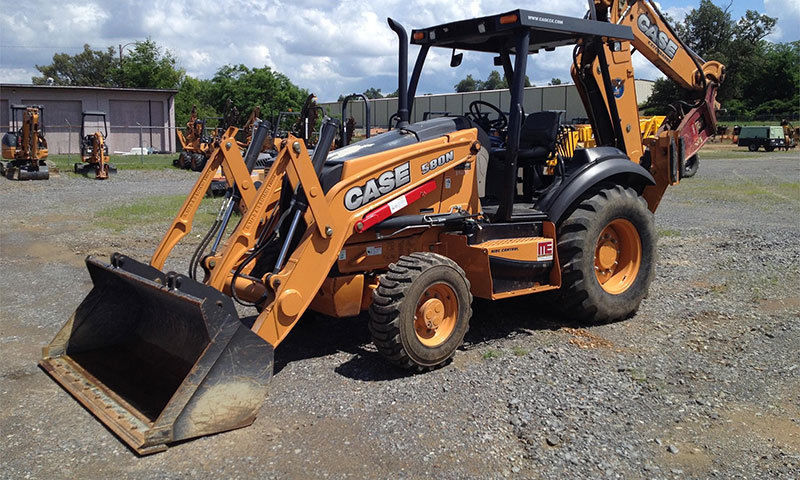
x,y
227,155
603,71
287,291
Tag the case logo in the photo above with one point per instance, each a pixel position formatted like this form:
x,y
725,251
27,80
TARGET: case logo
x,y
377,187
659,38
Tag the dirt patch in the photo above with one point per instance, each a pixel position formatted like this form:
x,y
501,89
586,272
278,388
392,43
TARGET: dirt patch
x,y
585,339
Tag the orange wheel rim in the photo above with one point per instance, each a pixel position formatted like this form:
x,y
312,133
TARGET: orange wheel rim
x,y
617,256
436,314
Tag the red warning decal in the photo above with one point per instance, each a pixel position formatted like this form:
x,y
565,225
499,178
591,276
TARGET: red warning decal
x,y
545,251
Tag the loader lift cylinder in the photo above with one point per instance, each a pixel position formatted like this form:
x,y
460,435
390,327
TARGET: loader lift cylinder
x,y
232,195
326,138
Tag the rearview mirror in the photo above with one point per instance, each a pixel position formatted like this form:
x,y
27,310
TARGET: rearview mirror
x,y
455,58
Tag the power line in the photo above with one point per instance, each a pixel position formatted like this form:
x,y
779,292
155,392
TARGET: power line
x,y
47,47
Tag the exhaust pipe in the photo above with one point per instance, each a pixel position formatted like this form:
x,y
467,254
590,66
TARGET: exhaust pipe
x,y
402,72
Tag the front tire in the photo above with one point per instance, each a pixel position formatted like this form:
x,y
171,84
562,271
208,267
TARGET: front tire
x,y
420,311
753,147
607,249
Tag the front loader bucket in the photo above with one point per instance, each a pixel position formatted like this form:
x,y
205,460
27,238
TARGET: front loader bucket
x,y
159,357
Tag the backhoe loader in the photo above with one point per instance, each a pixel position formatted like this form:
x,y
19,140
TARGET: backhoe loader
x,y
409,225
94,150
25,146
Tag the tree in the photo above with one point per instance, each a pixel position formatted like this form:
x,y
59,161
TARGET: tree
x,y
373,93
95,68
555,81
149,66
468,84
193,92
494,82
247,88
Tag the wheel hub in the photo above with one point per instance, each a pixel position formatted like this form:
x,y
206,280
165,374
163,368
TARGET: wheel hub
x,y
432,313
617,256
436,313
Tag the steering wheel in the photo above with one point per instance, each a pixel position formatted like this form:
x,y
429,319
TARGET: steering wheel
x,y
482,118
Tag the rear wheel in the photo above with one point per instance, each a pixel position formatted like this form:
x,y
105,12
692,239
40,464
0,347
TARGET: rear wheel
x,y
420,311
753,147
607,251
691,166
769,148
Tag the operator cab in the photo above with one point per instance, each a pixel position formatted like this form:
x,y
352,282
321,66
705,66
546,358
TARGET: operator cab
x,y
530,155
87,139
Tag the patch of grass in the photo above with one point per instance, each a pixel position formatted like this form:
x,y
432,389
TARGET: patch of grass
x,y
65,163
667,232
728,154
747,191
519,351
492,353
156,209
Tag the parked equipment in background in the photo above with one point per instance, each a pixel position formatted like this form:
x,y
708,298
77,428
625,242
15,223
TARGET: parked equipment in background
x,y
24,146
767,137
347,128
791,134
94,151
409,225
196,142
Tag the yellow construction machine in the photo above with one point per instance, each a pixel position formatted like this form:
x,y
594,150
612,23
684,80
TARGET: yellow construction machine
x,y
94,150
24,146
409,225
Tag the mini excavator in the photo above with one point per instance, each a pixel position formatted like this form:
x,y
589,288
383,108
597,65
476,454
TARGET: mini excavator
x,y
408,226
94,150
24,146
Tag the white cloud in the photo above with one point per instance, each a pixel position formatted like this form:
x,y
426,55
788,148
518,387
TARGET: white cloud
x,y
16,75
788,14
328,47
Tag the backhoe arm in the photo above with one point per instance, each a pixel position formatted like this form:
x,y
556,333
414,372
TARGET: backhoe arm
x,y
655,39
603,73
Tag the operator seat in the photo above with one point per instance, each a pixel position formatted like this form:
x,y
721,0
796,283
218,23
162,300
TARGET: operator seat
x,y
538,137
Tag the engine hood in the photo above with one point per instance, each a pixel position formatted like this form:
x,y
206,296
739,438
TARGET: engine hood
x,y
400,137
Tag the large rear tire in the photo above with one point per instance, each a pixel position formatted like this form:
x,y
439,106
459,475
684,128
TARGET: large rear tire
x,y
607,250
420,311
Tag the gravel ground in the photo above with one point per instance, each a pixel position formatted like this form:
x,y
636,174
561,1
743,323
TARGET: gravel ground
x,y
704,382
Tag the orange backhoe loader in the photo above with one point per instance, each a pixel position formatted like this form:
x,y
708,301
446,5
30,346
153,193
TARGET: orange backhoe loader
x,y
24,145
409,225
94,150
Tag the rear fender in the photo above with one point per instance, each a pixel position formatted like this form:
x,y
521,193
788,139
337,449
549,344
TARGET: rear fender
x,y
606,164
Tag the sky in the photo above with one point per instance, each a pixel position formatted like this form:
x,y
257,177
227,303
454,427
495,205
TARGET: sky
x,y
328,47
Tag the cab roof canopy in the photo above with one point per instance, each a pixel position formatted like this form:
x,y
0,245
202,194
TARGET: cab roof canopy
x,y
495,33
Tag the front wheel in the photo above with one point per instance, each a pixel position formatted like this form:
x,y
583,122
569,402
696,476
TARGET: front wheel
x,y
420,311
753,147
607,250
769,148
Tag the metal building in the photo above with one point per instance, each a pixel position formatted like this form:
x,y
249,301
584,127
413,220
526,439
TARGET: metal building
x,y
555,97
135,115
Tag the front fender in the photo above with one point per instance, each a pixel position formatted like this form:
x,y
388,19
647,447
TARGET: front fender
x,y
603,164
